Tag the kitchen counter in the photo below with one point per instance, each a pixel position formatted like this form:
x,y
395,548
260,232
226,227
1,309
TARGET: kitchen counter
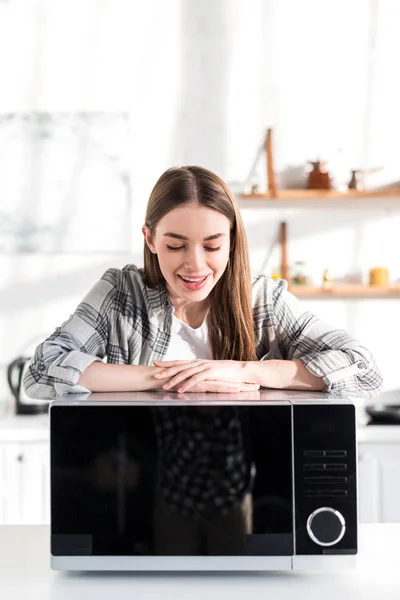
x,y
25,573
29,428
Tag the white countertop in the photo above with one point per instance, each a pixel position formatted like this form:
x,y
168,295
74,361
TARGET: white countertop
x,y
25,573
25,428
379,434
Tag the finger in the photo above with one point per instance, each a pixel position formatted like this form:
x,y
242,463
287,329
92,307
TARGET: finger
x,y
184,375
203,375
159,375
171,371
244,387
210,385
221,387
242,392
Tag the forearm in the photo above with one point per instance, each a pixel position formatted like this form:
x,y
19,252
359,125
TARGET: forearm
x,y
282,374
103,377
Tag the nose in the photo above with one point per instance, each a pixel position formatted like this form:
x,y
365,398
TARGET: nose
x,y
195,260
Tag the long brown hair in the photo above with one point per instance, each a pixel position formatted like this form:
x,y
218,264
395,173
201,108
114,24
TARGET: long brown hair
x,y
230,320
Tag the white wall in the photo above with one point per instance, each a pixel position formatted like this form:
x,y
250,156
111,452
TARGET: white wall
x,y
202,81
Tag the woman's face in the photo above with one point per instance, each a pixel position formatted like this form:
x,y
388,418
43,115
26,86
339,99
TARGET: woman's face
x,y
192,243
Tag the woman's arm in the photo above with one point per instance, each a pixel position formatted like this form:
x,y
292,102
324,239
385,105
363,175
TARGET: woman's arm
x,y
100,377
81,340
103,377
295,334
282,374
279,374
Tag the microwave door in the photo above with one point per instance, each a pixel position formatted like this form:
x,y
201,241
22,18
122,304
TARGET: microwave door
x,y
156,480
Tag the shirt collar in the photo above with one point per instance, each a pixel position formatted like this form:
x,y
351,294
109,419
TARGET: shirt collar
x,y
158,298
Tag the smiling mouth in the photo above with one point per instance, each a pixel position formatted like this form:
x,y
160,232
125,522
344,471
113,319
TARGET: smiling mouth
x,y
193,279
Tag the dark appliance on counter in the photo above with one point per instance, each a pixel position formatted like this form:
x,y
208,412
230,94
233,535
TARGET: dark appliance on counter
x,y
383,414
155,481
23,404
385,410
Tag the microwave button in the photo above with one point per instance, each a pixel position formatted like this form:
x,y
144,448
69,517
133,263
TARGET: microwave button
x,y
326,526
313,453
335,453
336,467
314,466
325,479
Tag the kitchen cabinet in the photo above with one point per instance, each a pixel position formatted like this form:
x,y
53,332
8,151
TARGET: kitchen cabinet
x,y
379,482
24,470
24,483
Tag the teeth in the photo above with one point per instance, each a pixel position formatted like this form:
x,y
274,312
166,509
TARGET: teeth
x,y
193,280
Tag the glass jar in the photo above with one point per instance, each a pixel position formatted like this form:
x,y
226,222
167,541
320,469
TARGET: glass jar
x,y
299,274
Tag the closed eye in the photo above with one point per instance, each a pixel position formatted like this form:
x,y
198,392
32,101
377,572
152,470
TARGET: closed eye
x,y
177,248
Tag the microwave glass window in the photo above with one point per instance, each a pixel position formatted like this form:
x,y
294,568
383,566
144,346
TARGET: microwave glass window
x,y
171,480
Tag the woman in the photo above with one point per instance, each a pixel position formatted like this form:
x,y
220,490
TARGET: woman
x,y
192,320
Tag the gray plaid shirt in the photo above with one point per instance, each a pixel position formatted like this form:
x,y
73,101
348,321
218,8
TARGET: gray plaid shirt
x,y
125,322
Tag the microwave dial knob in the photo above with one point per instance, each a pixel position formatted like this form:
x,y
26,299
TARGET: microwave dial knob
x,y
326,526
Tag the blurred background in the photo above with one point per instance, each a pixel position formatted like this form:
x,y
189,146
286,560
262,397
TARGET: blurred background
x,y
99,97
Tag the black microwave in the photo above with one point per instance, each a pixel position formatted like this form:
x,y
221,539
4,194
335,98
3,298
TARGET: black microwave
x,y
154,481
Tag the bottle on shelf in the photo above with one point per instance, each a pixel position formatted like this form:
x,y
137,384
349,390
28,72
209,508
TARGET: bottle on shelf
x,y
299,274
356,180
327,279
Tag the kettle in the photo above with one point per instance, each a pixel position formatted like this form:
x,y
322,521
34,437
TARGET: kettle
x,y
15,375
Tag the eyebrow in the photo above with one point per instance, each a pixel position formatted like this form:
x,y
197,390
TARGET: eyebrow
x,y
177,236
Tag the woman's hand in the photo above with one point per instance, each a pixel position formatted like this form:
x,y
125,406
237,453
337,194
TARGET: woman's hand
x,y
226,375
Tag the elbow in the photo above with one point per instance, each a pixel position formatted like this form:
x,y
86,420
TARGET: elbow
x,y
37,386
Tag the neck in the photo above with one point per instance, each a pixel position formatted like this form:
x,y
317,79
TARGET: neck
x,y
192,313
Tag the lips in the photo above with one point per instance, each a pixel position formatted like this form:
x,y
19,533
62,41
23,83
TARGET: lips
x,y
192,279
193,283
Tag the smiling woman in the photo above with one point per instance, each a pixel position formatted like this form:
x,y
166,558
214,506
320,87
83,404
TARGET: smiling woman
x,y
190,263
193,319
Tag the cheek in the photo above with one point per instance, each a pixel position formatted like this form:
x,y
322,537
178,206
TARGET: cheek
x,y
168,261
220,261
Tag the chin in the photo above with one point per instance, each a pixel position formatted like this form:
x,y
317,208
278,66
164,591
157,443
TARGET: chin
x,y
198,296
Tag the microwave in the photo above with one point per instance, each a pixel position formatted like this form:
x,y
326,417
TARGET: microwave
x,y
159,481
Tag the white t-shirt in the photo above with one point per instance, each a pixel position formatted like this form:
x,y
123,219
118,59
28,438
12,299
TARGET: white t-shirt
x,y
188,343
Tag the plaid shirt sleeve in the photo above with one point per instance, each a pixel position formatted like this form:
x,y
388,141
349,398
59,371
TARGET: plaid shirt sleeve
x,y
59,361
288,331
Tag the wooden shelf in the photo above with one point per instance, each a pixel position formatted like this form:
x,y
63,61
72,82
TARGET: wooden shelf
x,y
323,194
345,291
